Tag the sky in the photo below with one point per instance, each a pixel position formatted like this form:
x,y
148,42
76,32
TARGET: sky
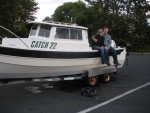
x,y
47,7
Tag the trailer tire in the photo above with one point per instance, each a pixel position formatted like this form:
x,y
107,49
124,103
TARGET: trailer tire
x,y
91,81
106,78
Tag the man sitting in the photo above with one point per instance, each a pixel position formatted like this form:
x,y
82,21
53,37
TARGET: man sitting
x,y
107,43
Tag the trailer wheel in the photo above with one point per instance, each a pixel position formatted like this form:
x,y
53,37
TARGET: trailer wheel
x,y
106,78
91,81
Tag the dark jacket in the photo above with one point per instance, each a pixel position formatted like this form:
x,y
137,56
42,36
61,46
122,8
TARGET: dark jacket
x,y
100,40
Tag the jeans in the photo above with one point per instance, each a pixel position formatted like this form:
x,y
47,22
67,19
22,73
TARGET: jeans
x,y
106,54
102,53
114,54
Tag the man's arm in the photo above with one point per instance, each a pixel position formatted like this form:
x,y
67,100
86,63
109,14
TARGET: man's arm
x,y
94,39
110,40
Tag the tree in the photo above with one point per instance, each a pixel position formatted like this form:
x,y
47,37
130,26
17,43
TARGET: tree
x,y
127,20
80,14
140,33
16,13
71,13
47,19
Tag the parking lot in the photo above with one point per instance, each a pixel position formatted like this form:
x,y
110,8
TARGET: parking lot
x,y
128,92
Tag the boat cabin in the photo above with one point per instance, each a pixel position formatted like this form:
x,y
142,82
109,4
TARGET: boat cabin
x,y
53,36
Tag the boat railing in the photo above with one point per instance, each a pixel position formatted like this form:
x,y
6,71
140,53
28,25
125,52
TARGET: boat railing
x,y
14,35
74,24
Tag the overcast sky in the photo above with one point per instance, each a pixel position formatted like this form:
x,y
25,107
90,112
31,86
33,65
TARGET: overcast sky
x,y
47,7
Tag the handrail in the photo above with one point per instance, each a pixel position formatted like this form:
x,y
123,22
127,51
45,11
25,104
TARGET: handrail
x,y
14,35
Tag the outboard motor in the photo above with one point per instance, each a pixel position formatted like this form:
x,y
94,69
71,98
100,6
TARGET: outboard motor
x,y
128,47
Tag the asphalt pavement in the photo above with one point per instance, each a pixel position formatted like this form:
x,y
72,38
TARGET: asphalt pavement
x,y
128,92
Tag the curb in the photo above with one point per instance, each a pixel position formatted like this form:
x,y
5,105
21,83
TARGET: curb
x,y
134,53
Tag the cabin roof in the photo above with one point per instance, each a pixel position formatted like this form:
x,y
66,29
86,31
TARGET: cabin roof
x,y
59,24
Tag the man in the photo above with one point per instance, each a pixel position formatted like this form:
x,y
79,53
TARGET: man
x,y
98,44
107,43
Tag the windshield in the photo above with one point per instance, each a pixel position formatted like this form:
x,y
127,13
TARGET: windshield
x,y
34,29
44,31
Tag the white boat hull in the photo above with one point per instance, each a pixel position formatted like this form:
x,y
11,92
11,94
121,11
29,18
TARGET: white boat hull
x,y
28,67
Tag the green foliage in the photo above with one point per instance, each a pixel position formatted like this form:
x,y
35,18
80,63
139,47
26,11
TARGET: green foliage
x,y
47,19
126,19
143,49
14,15
71,13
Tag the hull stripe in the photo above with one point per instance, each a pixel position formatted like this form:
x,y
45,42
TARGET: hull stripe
x,y
49,54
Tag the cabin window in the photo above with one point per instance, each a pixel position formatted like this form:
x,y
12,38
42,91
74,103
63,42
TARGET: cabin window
x,y
73,34
62,33
44,31
33,31
68,33
79,34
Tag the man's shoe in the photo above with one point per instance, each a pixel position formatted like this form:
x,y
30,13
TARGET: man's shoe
x,y
119,64
116,65
108,64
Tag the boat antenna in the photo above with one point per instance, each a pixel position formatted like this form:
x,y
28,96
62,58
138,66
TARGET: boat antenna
x,y
15,35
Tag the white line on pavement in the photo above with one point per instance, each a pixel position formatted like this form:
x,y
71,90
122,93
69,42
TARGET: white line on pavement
x,y
113,99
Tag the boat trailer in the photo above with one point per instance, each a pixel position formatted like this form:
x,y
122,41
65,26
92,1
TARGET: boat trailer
x,y
90,77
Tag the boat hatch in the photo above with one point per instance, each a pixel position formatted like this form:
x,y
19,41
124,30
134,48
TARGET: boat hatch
x,y
40,30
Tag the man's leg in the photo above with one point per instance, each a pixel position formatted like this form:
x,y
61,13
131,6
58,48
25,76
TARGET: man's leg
x,y
106,52
114,54
101,51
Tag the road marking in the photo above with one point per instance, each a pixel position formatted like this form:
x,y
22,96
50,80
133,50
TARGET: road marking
x,y
113,99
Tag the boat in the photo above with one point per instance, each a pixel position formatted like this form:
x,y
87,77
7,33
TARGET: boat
x,y
51,49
